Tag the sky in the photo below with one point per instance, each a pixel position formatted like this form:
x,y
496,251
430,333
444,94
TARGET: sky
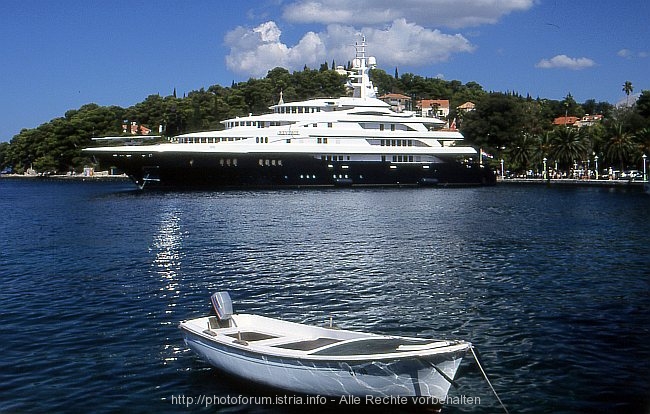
x,y
59,55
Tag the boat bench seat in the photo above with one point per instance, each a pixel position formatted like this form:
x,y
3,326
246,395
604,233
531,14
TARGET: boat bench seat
x,y
308,344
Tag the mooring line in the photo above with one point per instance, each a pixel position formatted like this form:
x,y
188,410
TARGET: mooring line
x,y
488,380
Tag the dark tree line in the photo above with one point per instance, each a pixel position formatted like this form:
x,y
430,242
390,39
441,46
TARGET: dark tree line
x,y
513,127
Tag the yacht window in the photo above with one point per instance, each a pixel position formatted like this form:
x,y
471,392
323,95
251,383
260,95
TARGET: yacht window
x,y
381,127
329,124
392,127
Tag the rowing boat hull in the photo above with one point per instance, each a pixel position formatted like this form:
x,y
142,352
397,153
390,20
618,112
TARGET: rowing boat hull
x,y
415,375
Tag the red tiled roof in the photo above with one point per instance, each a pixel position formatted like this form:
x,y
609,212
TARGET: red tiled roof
x,y
565,120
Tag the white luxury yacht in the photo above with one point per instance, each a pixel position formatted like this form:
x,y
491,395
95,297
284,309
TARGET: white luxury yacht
x,y
345,141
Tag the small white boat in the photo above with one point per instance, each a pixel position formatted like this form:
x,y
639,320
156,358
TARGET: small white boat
x,y
322,361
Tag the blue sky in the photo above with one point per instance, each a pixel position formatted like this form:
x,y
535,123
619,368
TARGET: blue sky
x,y
59,55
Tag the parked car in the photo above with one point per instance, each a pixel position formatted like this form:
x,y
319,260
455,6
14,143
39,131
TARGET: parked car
x,y
632,175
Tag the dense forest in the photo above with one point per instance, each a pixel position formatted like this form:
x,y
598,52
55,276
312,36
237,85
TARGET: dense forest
x,y
509,126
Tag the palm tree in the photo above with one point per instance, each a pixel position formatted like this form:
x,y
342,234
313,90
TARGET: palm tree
x,y
569,145
643,138
620,145
522,152
544,145
627,88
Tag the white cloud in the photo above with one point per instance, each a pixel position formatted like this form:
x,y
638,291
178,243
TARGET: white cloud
x,y
404,33
427,13
255,51
404,43
628,54
566,62
625,53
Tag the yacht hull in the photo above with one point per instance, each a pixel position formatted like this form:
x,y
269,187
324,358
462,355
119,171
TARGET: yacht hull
x,y
204,170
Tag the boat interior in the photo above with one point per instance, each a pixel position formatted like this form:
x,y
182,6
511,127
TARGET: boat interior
x,y
312,340
281,337
275,336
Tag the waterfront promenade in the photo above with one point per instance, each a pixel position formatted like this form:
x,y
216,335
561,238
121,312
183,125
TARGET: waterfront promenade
x,y
638,184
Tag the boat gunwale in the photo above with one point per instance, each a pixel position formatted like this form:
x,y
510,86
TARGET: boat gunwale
x,y
268,348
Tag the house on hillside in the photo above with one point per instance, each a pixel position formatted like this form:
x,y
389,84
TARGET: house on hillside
x,y
589,120
397,101
466,107
566,120
433,108
135,129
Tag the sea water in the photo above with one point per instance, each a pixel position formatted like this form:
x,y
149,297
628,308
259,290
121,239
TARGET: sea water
x,y
552,285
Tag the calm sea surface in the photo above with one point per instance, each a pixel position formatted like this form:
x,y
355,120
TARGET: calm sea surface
x,y
552,285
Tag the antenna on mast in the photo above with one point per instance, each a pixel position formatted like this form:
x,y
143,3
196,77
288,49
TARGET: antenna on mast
x,y
360,80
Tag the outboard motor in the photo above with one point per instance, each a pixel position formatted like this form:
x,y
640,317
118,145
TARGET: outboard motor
x,y
222,305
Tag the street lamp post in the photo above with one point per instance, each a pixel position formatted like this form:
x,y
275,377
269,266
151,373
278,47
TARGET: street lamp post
x,y
645,177
545,171
502,172
596,160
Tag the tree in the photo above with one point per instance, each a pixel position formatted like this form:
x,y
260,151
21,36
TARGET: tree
x,y
543,146
643,105
620,144
498,121
627,88
569,145
521,152
643,138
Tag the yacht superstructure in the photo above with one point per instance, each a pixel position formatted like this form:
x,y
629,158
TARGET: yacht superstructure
x,y
356,140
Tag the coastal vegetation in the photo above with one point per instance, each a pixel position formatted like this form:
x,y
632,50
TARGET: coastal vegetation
x,y
518,129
